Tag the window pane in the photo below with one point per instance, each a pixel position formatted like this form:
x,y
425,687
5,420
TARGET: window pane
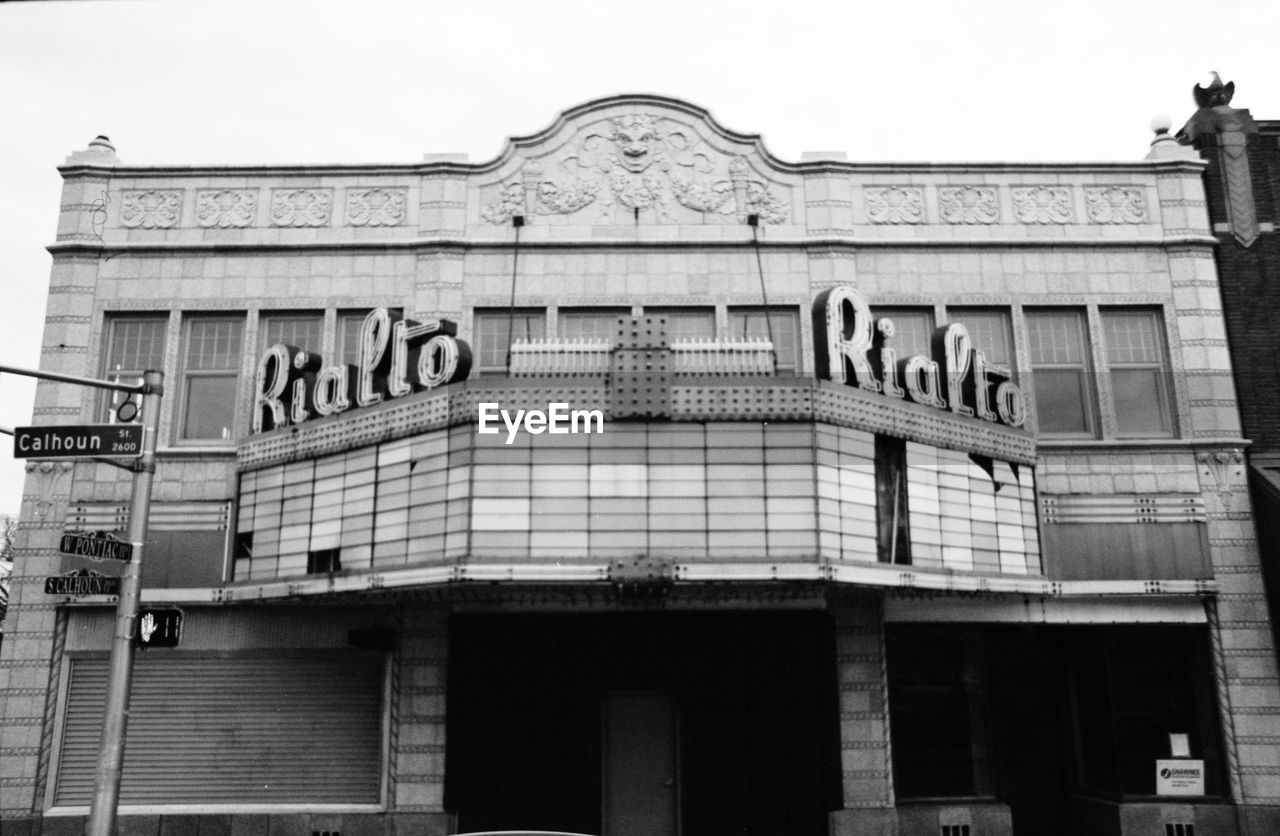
x,y
989,331
931,672
912,329
785,323
493,328
1141,407
1139,375
300,331
214,344
210,371
591,325
347,344
1060,372
1056,338
1131,338
1061,400
687,323
210,407
136,345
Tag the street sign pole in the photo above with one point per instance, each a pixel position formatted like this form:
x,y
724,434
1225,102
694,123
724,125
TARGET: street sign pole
x,y
106,784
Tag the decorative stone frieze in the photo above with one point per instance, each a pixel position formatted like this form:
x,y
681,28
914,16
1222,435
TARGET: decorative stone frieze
x,y
152,209
1115,205
968,204
376,207
225,208
895,205
301,207
637,162
1042,205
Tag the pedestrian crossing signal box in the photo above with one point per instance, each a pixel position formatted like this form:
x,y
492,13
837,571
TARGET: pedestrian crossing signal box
x,y
158,628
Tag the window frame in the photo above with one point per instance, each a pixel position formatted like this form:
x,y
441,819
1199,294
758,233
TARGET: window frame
x,y
791,312
1091,408
479,316
110,400
1161,367
897,313
566,315
187,375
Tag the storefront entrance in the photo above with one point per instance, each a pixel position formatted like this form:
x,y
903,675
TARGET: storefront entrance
x,y
1048,720
660,724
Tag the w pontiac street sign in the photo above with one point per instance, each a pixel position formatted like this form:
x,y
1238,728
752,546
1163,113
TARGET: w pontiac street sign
x,y
95,545
77,441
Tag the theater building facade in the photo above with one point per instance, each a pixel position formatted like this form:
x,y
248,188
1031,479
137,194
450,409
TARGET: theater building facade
x,y
638,481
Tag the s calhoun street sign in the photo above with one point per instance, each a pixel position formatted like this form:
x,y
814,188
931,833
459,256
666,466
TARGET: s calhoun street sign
x,y
77,441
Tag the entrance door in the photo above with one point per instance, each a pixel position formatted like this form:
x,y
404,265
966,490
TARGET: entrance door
x,y
641,784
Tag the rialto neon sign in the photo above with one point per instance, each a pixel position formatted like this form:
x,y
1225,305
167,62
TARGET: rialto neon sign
x,y
396,357
852,348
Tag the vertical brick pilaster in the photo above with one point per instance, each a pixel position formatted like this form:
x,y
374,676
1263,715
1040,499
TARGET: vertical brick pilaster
x,y
418,713
27,654
1245,673
865,755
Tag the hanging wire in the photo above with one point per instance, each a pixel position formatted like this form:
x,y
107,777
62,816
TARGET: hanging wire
x,y
753,221
517,221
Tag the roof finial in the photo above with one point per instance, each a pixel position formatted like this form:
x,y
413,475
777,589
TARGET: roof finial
x,y
1216,94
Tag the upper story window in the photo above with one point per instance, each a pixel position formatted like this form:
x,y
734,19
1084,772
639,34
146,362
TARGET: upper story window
x,y
783,323
211,352
1138,368
302,330
913,329
990,331
687,323
346,344
495,330
1060,373
135,344
600,324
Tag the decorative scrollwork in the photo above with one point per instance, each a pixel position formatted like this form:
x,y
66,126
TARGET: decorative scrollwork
x,y
1042,205
1115,205
637,162
968,205
301,207
226,207
152,209
376,207
895,205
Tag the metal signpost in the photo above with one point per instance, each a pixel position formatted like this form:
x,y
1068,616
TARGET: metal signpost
x,y
101,442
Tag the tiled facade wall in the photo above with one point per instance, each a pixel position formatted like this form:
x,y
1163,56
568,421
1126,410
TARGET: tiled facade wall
x,y
435,241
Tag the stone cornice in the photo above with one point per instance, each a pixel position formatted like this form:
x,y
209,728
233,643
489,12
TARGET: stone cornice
x,y
81,248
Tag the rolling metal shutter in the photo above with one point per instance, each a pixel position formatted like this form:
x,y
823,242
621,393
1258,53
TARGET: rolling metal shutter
x,y
206,729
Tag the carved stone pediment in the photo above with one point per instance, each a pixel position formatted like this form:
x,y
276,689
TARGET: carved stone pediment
x,y
606,163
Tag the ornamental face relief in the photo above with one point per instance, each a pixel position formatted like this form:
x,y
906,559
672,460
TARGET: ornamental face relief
x,y
397,357
851,348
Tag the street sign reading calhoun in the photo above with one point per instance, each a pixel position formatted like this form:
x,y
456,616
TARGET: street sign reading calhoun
x,y
83,582
96,546
77,441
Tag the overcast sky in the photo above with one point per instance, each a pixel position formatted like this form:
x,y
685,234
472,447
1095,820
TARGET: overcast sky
x,y
311,82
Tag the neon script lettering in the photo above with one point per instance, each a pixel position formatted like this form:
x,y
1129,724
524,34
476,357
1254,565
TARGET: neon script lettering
x,y
397,357
851,347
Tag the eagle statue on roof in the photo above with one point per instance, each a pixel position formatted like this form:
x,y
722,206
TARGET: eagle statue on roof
x,y
1216,94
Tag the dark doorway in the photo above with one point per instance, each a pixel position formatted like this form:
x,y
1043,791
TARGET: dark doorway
x,y
738,711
